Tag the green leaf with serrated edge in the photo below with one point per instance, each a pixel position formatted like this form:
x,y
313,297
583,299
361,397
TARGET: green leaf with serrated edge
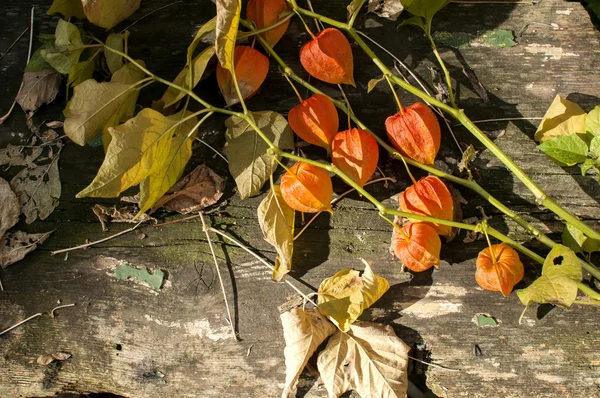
x,y
563,117
68,8
149,149
566,150
108,13
115,41
577,241
276,221
128,74
67,47
228,20
415,21
172,95
424,8
373,82
249,162
592,121
558,284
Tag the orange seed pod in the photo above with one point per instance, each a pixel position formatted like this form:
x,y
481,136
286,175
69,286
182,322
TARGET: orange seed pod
x,y
307,188
251,68
415,132
500,272
356,153
328,57
429,197
264,13
418,246
315,120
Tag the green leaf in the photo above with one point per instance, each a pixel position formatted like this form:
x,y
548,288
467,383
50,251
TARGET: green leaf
x,y
151,150
228,19
346,295
485,320
424,8
172,95
276,221
415,21
590,164
108,13
82,70
203,31
501,38
558,284
67,47
68,8
154,280
37,63
249,162
563,117
592,121
566,150
374,82
453,39
117,42
577,241
595,146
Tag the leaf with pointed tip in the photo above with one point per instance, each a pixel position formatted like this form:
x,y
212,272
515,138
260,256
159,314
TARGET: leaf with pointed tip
x,y
346,295
67,47
592,121
38,88
151,150
276,221
369,359
424,8
172,95
249,162
303,331
82,70
228,20
108,13
563,117
68,8
374,82
116,41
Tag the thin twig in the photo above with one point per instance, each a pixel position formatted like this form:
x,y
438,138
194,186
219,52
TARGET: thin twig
x,y
3,118
434,365
504,119
213,149
150,13
13,43
97,241
51,314
212,250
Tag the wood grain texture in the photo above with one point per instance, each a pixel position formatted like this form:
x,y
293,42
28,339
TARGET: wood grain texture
x,y
127,340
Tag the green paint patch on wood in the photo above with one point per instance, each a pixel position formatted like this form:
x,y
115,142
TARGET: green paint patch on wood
x,y
154,281
491,38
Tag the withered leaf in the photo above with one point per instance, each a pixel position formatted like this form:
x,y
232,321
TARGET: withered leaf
x,y
14,155
108,13
303,331
47,359
38,189
172,95
199,189
390,9
276,221
346,295
38,88
127,214
15,245
369,359
228,19
10,210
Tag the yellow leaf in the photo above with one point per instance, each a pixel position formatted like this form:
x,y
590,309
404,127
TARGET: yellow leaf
x,y
369,359
303,331
172,95
562,118
108,13
276,221
346,295
115,41
149,149
228,19
68,8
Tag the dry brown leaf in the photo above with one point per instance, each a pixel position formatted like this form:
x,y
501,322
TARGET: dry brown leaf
x,y
15,245
303,331
124,214
38,88
47,359
199,189
10,210
14,155
369,359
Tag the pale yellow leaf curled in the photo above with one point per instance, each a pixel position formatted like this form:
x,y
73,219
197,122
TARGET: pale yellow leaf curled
x,y
346,295
172,95
228,20
369,359
303,331
276,221
563,117
108,13
116,41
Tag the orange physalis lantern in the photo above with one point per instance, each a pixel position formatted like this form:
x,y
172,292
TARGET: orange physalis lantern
x,y
415,132
315,120
264,13
418,246
251,68
356,153
501,271
307,188
328,57
429,197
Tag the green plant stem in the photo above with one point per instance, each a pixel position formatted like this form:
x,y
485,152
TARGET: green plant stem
x,y
266,28
467,183
355,13
458,114
588,291
443,66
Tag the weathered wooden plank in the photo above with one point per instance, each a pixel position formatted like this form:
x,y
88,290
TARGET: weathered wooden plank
x,y
128,340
